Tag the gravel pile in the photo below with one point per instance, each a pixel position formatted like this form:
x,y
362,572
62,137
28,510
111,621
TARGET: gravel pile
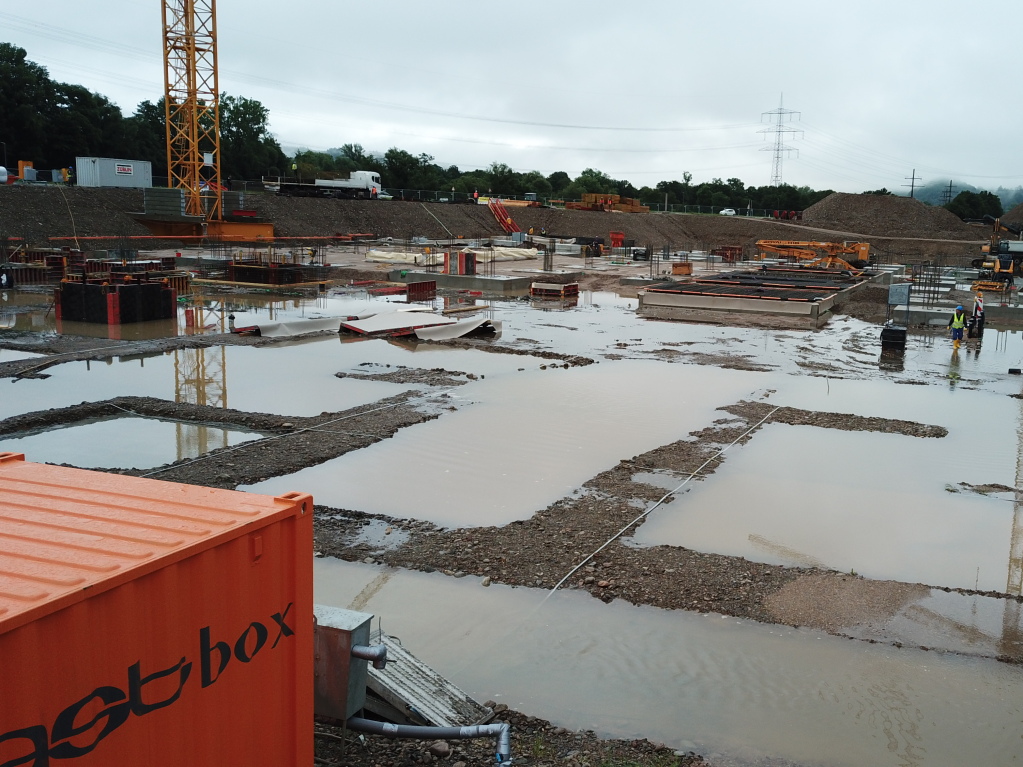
x,y
887,216
1014,216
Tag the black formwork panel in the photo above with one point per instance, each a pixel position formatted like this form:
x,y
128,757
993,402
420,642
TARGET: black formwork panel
x,y
95,304
150,306
129,300
72,301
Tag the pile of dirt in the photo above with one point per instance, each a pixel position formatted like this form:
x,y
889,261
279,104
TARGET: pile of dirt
x,y
887,216
1014,216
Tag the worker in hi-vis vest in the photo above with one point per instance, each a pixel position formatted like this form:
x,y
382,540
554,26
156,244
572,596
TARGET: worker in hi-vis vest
x,y
958,324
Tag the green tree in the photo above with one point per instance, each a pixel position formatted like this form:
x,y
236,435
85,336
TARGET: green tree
x,y
400,168
146,135
81,123
534,181
503,180
26,99
247,149
883,191
591,181
975,205
559,181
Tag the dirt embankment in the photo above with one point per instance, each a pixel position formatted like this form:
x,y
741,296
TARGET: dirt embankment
x,y
888,216
1014,216
36,213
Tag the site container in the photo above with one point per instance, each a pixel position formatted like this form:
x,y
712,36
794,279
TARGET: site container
x,y
106,171
152,623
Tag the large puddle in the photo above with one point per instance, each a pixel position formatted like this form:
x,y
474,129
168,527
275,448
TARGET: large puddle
x,y
520,442
127,443
857,502
295,380
739,692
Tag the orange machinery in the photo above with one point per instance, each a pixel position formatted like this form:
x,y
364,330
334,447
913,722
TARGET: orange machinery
x,y
828,255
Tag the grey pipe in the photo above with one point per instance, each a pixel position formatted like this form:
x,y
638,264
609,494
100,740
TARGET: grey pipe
x,y
376,653
500,730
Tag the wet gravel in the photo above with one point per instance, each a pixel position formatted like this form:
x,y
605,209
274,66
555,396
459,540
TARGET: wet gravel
x,y
577,543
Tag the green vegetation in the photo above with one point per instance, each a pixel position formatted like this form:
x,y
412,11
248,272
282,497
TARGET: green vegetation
x,y
976,205
51,123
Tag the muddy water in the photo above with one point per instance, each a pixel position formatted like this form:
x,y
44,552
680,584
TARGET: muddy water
x,y
737,691
290,380
521,441
962,623
848,501
125,443
10,355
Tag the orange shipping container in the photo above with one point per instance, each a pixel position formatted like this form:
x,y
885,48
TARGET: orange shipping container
x,y
152,623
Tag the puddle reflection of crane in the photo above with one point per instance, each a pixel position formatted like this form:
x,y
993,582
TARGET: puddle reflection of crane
x,y
200,378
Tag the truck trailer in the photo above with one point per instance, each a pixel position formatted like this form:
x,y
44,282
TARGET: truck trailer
x,y
359,185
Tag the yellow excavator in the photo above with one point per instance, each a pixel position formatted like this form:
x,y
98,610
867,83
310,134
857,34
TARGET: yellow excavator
x,y
852,256
1001,262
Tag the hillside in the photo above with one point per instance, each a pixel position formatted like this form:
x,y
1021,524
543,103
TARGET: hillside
x,y
897,226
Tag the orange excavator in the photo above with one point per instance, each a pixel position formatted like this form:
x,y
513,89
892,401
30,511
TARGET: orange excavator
x,y
827,255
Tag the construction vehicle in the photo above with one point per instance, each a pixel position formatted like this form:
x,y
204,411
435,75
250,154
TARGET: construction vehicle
x,y
1002,262
827,255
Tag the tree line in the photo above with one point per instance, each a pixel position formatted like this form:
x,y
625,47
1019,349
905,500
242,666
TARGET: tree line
x,y
51,123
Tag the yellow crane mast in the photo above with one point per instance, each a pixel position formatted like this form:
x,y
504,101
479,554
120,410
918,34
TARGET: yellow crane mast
x,y
192,104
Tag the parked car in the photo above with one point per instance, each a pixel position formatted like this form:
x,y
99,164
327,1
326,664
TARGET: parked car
x,y
727,212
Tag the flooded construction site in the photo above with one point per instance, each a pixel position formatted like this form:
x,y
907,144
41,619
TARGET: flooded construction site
x,y
763,543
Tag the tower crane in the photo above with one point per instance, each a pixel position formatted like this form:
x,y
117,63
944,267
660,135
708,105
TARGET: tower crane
x,y
192,113
192,104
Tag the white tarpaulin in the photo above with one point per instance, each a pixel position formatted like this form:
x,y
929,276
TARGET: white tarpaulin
x,y
459,329
403,257
299,327
394,322
502,254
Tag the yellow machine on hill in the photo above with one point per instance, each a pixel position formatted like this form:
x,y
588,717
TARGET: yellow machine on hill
x,y
828,255
1001,262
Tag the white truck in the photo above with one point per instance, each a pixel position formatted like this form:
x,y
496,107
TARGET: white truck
x,y
359,184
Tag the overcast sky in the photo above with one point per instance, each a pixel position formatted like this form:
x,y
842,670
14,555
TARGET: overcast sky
x,y
640,90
